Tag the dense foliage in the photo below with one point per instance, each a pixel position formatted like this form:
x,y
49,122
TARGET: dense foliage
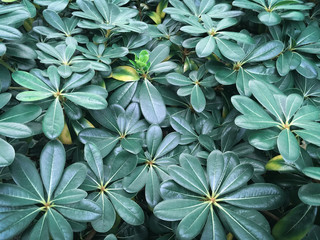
x,y
193,119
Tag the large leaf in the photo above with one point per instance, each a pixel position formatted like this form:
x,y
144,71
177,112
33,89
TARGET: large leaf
x,y
296,223
192,224
53,122
262,196
288,145
52,161
151,103
127,209
108,215
26,175
29,81
310,194
7,155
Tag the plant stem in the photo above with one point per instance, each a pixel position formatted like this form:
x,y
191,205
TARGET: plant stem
x,y
91,235
269,214
7,65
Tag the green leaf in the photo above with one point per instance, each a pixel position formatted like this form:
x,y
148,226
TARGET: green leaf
x,y
265,139
52,161
121,165
77,80
16,221
83,211
15,130
152,188
131,144
30,96
192,165
312,172
151,103
13,195
198,100
238,177
21,113
218,166
266,51
41,229
7,154
4,98
59,228
213,228
310,194
125,73
73,176
169,143
283,63
205,46
247,106
10,33
293,104
260,196
192,224
53,121
69,196
187,180
288,146
87,100
241,227
158,54
27,80
306,114
230,50
136,180
178,79
93,157
108,215
182,126
54,20
153,138
269,18
264,95
295,224
254,123
127,209
176,209
26,175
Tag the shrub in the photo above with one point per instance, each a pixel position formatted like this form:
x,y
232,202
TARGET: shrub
x,y
159,119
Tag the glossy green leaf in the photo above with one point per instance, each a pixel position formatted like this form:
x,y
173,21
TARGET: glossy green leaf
x,y
108,215
26,175
59,228
87,100
21,113
192,224
27,80
93,157
7,155
312,172
53,122
205,46
17,221
288,145
266,51
13,195
310,194
151,103
256,196
230,50
241,227
15,130
237,178
127,209
52,161
152,188
198,100
175,209
296,223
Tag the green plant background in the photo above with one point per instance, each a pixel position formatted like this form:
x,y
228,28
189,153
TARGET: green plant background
x,y
192,119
